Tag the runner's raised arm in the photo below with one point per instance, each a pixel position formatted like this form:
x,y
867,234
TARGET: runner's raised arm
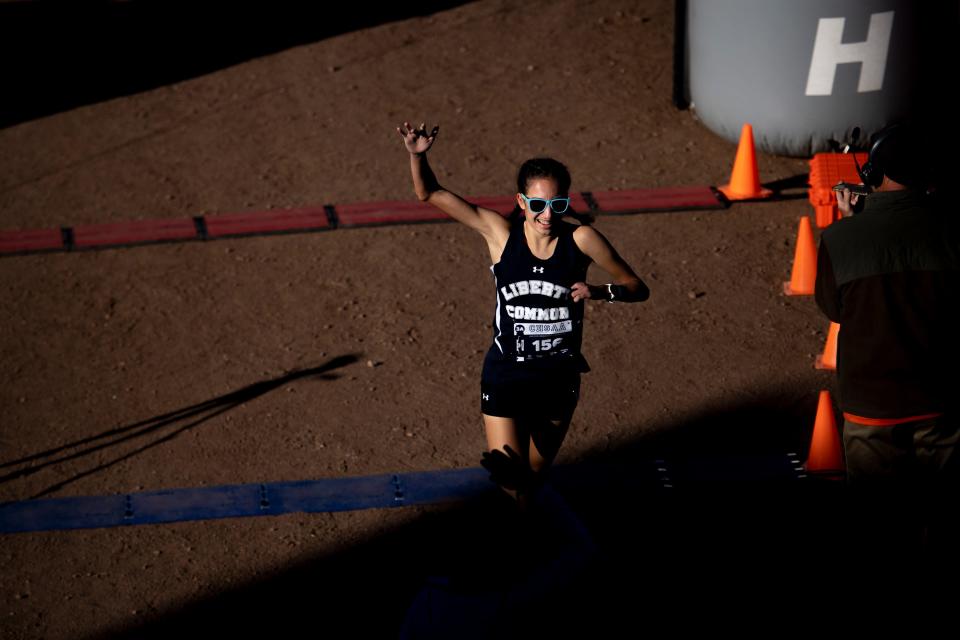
x,y
490,224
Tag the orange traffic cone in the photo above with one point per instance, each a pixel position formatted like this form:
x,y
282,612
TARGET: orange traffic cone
x,y
745,179
828,360
803,278
826,452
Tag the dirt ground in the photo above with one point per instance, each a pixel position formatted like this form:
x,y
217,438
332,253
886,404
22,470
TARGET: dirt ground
x,y
93,341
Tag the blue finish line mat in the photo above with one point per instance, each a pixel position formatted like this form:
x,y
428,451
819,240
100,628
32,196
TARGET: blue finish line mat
x,y
368,492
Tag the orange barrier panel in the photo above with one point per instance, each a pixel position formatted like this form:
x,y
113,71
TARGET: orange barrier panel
x,y
665,199
133,232
504,204
826,170
278,221
330,217
377,213
30,240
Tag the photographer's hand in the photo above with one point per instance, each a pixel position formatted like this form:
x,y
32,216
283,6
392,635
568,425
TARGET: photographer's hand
x,y
847,201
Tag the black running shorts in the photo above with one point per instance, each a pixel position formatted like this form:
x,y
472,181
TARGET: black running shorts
x,y
548,398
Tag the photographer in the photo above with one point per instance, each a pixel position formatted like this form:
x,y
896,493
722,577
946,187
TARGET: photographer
x,y
889,276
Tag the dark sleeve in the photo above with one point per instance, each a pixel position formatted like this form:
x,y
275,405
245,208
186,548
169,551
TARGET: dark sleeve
x,y
622,294
643,293
825,292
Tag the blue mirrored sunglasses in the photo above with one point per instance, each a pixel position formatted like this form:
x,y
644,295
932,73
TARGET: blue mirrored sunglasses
x,y
539,205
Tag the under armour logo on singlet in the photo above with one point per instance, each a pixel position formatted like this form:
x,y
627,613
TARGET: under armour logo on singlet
x,y
538,269
486,396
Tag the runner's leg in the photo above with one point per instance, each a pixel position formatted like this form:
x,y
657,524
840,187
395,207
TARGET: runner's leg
x,y
502,431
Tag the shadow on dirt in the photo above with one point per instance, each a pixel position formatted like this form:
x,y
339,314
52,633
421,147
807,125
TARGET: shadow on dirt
x,y
613,540
56,56
156,430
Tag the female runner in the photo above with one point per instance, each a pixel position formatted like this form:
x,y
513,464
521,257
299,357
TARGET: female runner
x,y
531,375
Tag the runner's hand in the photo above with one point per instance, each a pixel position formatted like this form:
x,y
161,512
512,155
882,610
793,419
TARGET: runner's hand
x,y
417,139
583,291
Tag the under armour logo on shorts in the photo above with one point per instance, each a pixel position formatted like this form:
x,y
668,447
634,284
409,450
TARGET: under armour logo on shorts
x,y
485,396
538,269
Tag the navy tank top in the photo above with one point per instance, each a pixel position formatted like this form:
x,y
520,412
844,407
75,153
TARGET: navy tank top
x,y
537,327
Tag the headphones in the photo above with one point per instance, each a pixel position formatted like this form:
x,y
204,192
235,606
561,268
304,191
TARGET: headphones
x,y
871,173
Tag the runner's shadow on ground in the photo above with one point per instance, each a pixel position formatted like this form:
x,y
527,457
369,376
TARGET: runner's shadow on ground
x,y
609,546
156,430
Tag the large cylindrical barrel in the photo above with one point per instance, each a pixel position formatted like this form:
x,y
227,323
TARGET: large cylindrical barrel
x,y
803,73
